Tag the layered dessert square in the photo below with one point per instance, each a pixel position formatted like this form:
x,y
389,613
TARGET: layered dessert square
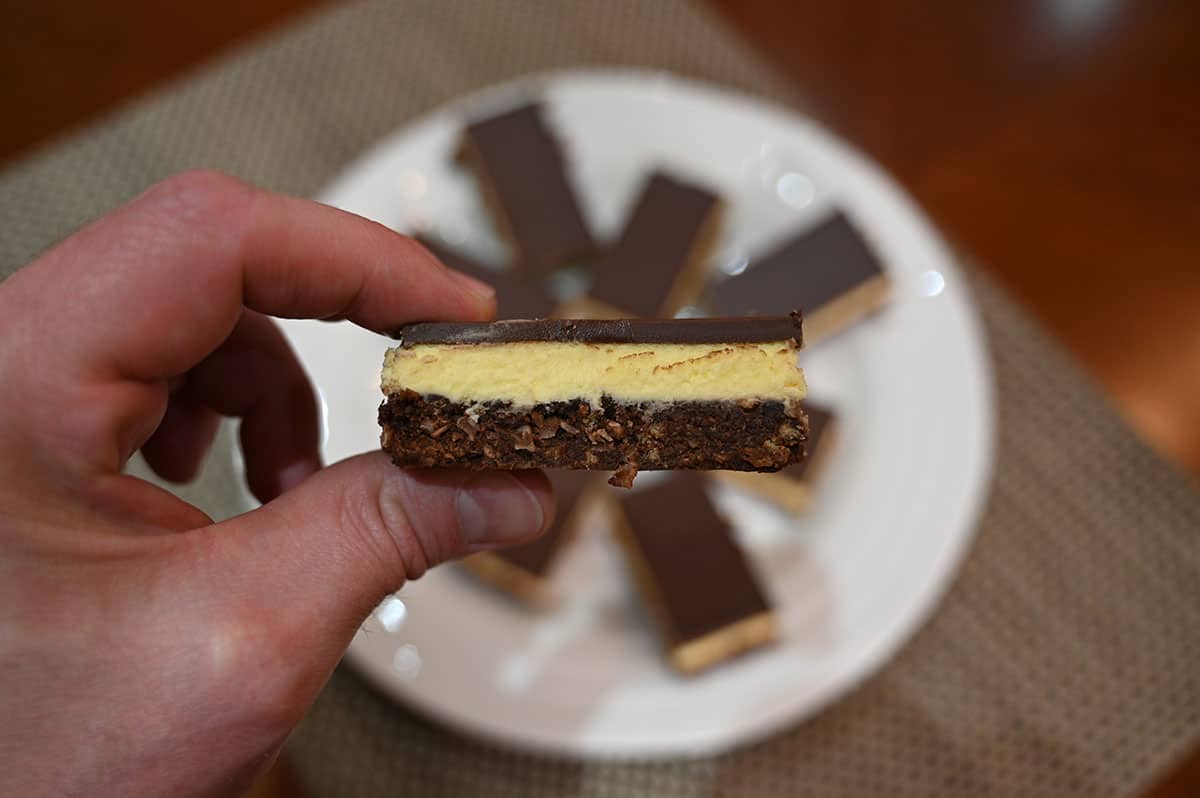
x,y
618,395
829,272
522,172
657,264
692,574
525,571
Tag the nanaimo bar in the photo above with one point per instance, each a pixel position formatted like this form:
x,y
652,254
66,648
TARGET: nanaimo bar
x,y
618,395
526,571
522,172
829,272
657,265
692,574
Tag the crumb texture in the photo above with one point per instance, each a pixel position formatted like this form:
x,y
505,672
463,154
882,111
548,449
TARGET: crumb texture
x,y
432,431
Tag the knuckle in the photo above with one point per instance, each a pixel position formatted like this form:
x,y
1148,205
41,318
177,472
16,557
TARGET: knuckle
x,y
200,184
201,197
375,516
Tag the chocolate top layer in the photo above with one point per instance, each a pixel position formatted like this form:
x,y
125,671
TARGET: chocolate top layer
x,y
755,329
524,175
807,271
702,578
659,237
820,419
516,298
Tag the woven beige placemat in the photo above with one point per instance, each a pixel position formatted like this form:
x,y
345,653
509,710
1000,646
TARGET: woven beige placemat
x,y
1064,661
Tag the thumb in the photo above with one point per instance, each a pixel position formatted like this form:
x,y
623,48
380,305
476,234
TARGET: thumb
x,y
321,556
274,596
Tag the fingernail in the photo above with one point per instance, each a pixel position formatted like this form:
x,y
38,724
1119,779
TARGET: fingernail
x,y
477,288
497,508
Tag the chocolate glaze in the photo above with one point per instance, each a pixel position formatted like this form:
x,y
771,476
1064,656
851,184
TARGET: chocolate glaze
x,y
522,165
819,421
537,557
659,238
516,298
756,329
702,577
807,271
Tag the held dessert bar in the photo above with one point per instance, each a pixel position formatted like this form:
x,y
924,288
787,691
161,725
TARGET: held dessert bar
x,y
617,395
521,170
830,271
656,266
525,571
791,487
692,574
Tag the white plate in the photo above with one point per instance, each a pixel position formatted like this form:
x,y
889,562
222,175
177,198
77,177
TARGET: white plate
x,y
897,503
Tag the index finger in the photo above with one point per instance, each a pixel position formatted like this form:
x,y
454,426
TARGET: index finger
x,y
148,291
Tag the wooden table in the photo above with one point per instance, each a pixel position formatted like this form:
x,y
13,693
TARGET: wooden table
x,y
1054,141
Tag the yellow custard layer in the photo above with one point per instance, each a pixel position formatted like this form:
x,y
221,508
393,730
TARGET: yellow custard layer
x,y
535,372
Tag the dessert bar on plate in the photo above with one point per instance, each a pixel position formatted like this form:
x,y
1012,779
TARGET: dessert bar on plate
x,y
517,297
522,173
792,487
657,264
525,571
692,574
829,272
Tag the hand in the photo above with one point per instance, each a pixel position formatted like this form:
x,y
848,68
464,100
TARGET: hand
x,y
145,650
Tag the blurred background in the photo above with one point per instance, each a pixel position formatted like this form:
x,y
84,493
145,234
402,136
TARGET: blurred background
x,y
1055,142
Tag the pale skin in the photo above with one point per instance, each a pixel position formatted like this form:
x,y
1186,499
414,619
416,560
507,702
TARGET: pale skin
x,y
145,650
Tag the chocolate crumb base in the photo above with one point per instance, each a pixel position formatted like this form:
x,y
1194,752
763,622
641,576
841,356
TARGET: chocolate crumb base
x,y
433,432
